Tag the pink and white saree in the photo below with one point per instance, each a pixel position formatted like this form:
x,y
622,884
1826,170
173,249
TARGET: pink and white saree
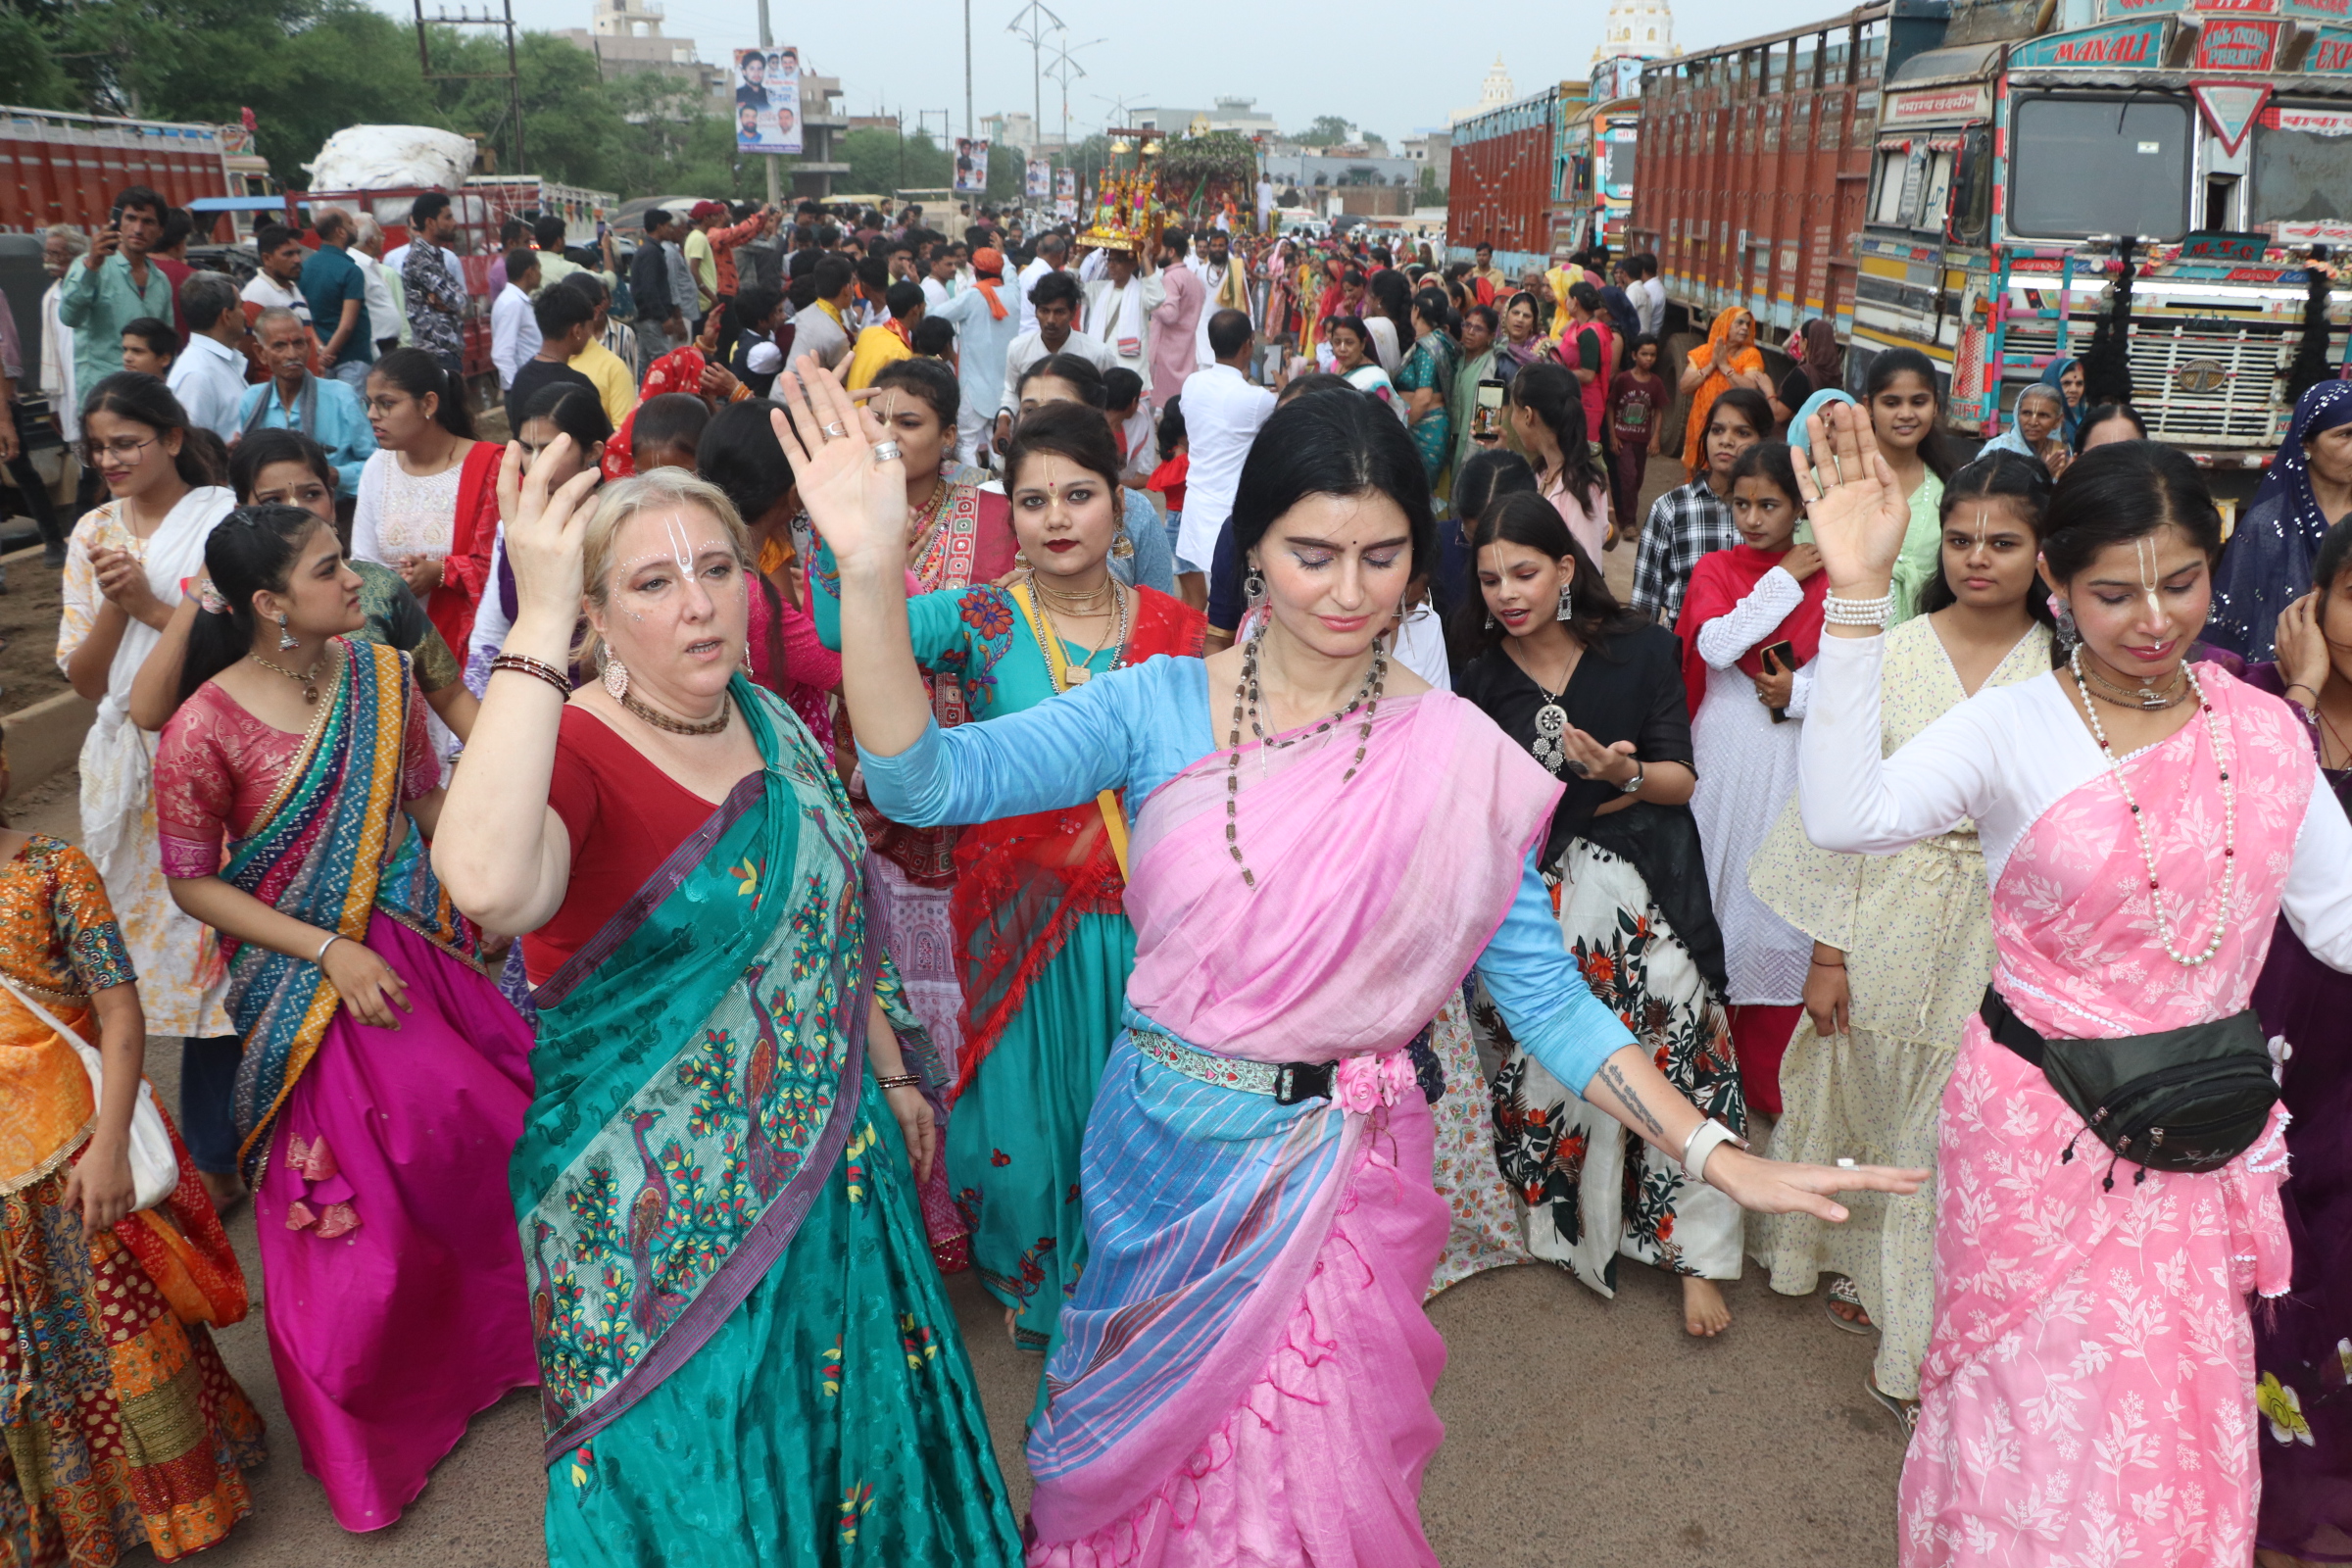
x,y
2088,1392
1243,1374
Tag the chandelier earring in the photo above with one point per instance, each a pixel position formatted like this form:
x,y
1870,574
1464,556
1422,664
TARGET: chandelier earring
x,y
2062,612
285,638
1567,609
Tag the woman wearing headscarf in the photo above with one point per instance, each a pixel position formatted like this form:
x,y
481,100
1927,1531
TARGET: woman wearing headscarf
x,y
2067,376
2267,564
2033,432
1727,358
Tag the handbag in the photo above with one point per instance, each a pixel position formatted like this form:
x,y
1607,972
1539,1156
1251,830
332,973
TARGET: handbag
x,y
2191,1099
154,1168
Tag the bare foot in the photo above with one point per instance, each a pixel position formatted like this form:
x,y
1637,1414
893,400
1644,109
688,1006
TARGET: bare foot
x,y
225,1191
1705,1313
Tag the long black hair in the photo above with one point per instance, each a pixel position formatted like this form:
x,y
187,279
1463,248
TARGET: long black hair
x,y
1395,297
2125,490
1332,446
2336,555
740,454
143,399
936,384
1554,396
251,550
1769,461
2025,484
1936,448
419,373
575,412
1525,518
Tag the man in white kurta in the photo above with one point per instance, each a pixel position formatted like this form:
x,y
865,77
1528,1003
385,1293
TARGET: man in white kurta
x,y
1119,311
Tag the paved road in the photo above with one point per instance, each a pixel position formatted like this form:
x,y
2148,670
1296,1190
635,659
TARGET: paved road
x,y
1579,1430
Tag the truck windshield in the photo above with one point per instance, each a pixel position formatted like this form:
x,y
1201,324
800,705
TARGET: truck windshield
x,y
2302,168
2080,167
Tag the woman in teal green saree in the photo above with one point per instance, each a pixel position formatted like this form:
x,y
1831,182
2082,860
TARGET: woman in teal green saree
x,y
746,1350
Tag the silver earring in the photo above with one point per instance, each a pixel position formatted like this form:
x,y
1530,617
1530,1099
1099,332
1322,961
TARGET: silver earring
x,y
1254,586
616,674
1566,612
285,638
2063,610
1490,620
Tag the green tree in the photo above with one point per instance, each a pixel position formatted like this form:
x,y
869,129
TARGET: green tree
x,y
1328,131
882,161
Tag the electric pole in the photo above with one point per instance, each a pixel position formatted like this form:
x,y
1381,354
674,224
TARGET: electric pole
x,y
967,72
774,183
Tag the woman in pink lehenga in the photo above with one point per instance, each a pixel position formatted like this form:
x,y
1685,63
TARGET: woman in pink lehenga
x,y
2088,1392
1243,1375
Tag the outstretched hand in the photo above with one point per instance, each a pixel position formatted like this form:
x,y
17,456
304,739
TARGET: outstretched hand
x,y
856,501
1776,1187
545,532
1856,505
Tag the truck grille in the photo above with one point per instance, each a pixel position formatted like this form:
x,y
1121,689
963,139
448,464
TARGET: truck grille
x,y
2207,382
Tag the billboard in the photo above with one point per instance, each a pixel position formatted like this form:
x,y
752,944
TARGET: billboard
x,y
768,100
1040,180
971,165
1065,192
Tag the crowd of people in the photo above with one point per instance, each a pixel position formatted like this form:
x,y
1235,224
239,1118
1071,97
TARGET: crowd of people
x,y
988,671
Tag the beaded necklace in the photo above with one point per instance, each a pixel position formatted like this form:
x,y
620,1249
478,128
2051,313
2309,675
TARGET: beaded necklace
x,y
1246,704
2147,851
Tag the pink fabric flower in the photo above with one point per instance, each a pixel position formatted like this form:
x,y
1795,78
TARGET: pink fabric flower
x,y
323,1185
1364,1082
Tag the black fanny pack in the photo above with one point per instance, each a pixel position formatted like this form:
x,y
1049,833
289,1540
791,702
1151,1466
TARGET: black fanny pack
x,y
2185,1100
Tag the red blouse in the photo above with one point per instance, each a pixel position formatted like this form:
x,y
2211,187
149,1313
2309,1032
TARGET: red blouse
x,y
624,816
217,766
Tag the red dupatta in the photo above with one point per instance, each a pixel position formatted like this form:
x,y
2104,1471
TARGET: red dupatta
x,y
1022,882
466,570
1718,583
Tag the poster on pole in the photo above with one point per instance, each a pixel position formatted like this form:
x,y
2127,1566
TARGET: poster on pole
x,y
1065,192
1040,179
768,100
971,165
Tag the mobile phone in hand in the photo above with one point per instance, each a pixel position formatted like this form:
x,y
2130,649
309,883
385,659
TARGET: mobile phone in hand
x,y
1778,657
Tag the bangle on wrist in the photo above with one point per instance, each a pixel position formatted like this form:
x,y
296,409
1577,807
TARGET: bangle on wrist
x,y
903,1080
1704,1139
1824,963
2305,686
1837,611
319,957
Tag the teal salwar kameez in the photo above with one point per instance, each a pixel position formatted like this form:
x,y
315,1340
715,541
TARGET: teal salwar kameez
x,y
748,1357
1043,948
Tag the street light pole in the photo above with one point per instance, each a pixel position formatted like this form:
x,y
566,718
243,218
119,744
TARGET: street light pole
x,y
967,70
1040,22
774,186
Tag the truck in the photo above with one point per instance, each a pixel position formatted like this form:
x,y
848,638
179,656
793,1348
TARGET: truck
x,y
57,168
1597,151
1505,186
1974,183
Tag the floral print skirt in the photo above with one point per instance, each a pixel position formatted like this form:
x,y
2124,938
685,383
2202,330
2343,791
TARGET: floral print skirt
x,y
1593,1192
1485,1231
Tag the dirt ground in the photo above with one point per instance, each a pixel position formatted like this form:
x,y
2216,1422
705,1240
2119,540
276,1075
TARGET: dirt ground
x,y
29,615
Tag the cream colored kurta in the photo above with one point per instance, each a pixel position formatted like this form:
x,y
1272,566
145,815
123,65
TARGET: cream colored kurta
x,y
1917,931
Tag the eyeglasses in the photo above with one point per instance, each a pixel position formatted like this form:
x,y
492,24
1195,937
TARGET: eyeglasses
x,y
126,451
383,405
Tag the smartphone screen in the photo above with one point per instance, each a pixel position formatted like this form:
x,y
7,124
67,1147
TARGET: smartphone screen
x,y
1486,417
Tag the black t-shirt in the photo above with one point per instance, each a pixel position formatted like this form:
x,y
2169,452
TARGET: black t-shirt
x,y
1794,388
533,375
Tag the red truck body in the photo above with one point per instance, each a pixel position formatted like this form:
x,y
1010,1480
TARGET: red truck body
x,y
68,168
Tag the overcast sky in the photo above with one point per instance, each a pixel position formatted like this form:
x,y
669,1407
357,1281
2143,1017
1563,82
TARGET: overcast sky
x,y
1391,69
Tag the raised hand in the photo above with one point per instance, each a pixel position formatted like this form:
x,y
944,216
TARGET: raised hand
x,y
857,497
545,532
1858,507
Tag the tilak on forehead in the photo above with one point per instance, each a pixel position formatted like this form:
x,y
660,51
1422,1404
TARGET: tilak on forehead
x,y
2144,548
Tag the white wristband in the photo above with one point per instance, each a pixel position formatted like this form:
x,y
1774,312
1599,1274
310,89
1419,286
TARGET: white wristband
x,y
1704,1139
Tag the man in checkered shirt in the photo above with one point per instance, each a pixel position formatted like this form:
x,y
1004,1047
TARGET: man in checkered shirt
x,y
1696,520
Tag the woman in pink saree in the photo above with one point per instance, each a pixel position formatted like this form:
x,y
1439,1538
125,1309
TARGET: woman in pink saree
x,y
1242,1373
2088,1392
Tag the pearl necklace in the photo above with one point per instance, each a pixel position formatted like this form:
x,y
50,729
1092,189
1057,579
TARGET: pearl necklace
x,y
2139,825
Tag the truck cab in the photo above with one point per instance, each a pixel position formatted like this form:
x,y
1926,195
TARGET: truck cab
x,y
2007,171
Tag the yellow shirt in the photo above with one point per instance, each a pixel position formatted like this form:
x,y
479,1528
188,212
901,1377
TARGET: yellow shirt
x,y
615,388
877,346
704,262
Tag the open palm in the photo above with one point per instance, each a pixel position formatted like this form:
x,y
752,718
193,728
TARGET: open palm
x,y
858,504
1854,500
